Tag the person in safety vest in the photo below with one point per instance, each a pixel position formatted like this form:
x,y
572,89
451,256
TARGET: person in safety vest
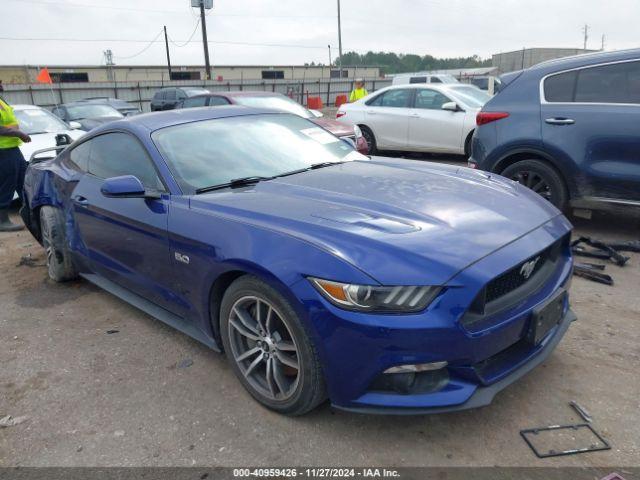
x,y
359,91
12,164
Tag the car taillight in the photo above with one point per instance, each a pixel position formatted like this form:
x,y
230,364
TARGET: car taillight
x,y
340,113
487,117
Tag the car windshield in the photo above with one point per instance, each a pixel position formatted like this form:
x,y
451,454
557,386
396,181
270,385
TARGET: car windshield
x,y
78,112
37,120
283,104
215,152
472,96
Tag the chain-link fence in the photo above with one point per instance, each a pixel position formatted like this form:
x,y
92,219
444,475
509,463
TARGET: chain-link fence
x,y
140,93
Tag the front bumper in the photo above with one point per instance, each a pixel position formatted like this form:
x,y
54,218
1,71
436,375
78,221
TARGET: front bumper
x,y
356,348
483,395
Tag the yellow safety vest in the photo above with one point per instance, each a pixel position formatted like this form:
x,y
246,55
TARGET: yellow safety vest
x,y
8,119
357,94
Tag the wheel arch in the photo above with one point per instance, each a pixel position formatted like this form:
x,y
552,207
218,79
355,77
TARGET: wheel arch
x,y
534,154
233,271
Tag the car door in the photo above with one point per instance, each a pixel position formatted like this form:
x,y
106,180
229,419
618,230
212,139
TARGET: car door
x,y
431,128
591,119
157,101
124,239
388,116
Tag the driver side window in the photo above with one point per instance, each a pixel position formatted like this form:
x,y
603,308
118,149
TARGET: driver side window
x,y
117,154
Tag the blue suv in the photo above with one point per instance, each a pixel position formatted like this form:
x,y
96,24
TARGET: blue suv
x,y
568,129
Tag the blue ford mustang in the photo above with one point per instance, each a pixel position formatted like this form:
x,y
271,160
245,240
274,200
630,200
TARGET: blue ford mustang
x,y
387,285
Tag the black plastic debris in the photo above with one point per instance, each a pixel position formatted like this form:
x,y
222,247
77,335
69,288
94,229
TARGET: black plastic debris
x,y
601,250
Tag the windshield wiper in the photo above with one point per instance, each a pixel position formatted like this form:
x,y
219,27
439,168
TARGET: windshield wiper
x,y
315,166
236,182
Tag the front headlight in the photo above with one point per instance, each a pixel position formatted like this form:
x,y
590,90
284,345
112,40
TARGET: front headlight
x,y
369,298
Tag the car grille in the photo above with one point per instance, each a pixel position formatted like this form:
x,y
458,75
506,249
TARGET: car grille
x,y
515,278
510,287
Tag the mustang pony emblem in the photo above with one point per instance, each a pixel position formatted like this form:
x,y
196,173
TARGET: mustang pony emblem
x,y
527,268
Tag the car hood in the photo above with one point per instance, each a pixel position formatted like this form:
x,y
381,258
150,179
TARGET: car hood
x,y
335,127
46,140
402,222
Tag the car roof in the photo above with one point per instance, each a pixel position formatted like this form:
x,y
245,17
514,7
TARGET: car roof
x,y
585,59
241,93
157,120
432,86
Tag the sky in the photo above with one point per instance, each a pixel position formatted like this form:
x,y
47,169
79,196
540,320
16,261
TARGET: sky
x,y
255,32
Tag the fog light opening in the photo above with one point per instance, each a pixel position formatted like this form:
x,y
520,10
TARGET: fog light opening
x,y
416,368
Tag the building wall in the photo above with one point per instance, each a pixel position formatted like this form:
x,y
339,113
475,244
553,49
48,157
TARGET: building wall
x,y
27,74
519,59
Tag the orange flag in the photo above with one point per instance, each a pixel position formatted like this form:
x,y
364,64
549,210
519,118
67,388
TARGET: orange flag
x,y
43,76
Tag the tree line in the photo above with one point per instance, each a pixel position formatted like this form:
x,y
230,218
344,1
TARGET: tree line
x,y
390,62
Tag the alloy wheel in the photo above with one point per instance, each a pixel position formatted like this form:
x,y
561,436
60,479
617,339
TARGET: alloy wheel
x,y
263,348
534,181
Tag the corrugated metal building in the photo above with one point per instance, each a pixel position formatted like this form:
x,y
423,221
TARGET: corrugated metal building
x,y
16,74
527,57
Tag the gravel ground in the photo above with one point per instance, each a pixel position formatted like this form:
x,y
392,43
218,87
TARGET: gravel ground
x,y
129,398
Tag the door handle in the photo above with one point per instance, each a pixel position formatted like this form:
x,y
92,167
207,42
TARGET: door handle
x,y
370,112
80,201
560,121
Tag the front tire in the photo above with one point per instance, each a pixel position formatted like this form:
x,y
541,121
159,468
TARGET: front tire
x,y
370,138
541,178
268,348
59,263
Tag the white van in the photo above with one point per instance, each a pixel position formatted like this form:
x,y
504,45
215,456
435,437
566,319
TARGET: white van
x,y
423,77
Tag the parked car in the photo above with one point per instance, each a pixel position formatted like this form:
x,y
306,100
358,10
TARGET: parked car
x,y
569,129
422,77
277,101
86,116
125,108
418,117
169,98
385,284
42,126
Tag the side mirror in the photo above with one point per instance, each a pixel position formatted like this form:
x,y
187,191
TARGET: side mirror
x,y
126,186
75,125
317,113
451,106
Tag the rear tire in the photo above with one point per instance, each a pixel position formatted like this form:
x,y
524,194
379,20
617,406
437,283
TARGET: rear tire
x,y
59,263
541,178
268,348
370,138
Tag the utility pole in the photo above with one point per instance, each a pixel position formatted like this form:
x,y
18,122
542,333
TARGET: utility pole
x,y
202,5
339,40
108,60
603,41
585,31
166,44
329,56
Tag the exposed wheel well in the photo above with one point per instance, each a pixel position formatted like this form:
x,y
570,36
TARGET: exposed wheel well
x,y
516,157
215,299
467,143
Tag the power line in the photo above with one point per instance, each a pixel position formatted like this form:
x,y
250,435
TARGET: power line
x,y
155,40
143,50
195,29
